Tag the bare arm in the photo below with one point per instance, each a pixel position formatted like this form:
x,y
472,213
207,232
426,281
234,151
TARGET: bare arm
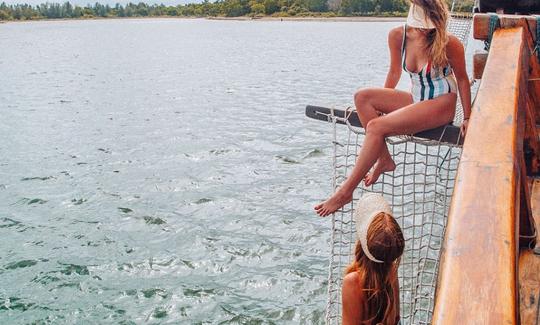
x,y
351,298
395,38
456,56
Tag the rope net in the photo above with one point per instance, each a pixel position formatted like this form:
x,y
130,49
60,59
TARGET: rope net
x,y
419,191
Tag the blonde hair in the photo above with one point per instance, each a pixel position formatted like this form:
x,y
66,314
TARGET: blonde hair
x,y
437,12
386,243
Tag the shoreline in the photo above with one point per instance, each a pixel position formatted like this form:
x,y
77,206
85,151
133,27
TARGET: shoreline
x,y
240,18
314,18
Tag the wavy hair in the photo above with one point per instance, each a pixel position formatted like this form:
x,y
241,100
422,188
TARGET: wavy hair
x,y
437,12
386,243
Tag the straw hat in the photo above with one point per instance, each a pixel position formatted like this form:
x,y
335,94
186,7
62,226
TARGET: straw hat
x,y
367,207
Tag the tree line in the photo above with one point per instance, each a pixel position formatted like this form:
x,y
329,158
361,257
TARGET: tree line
x,y
226,8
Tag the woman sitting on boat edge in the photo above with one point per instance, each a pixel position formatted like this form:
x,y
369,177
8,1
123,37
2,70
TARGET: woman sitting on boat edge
x,y
370,293
435,62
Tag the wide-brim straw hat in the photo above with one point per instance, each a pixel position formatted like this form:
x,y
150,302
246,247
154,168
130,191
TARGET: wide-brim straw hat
x,y
367,208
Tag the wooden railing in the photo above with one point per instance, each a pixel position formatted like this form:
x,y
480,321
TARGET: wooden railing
x,y
490,208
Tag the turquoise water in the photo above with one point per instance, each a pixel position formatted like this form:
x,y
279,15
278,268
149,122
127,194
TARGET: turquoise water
x,y
162,171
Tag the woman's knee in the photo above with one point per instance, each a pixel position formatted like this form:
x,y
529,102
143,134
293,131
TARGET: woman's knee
x,y
376,127
362,96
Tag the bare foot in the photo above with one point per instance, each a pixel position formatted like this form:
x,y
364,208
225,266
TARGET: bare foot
x,y
330,206
384,166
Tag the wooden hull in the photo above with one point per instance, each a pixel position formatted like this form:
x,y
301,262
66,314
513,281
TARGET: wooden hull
x,y
490,226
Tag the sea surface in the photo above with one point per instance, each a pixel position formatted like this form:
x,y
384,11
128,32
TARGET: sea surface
x,y
162,171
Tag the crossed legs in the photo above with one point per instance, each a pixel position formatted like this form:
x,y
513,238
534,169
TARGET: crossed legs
x,y
369,103
410,119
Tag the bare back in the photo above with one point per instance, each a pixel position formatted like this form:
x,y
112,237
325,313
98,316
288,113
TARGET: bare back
x,y
354,300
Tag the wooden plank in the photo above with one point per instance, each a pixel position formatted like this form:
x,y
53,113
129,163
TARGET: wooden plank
x,y
529,269
479,63
535,202
478,270
527,228
527,146
529,288
534,85
449,134
481,24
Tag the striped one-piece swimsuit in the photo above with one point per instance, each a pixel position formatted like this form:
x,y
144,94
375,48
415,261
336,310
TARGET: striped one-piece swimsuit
x,y
430,82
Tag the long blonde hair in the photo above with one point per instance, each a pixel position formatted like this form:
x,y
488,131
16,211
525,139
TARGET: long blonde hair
x,y
437,12
386,243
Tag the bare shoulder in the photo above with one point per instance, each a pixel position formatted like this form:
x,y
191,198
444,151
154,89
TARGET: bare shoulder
x,y
352,295
395,36
454,46
351,283
352,299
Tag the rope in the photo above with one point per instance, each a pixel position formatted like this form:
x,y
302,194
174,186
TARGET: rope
x,y
494,23
537,47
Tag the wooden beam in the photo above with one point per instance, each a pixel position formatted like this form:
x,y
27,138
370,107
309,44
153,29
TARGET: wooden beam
x,y
449,134
535,202
529,287
478,270
527,146
479,63
481,24
527,228
534,85
529,269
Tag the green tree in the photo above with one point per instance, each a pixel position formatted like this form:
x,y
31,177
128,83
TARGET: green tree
x,y
270,6
257,8
4,15
317,5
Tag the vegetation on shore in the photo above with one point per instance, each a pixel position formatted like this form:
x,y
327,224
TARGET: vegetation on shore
x,y
224,8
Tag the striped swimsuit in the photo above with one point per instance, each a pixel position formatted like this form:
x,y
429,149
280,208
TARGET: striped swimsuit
x,y
430,82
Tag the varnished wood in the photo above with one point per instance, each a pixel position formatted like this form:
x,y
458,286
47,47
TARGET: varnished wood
x,y
534,85
478,270
525,142
529,269
479,63
529,287
527,229
481,24
535,202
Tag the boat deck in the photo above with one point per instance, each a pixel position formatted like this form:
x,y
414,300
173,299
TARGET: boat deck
x,y
529,269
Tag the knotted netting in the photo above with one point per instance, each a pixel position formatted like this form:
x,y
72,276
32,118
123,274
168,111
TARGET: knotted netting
x,y
419,191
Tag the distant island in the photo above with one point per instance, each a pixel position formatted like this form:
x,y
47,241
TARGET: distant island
x,y
219,8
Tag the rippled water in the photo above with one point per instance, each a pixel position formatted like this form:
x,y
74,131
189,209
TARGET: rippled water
x,y
162,171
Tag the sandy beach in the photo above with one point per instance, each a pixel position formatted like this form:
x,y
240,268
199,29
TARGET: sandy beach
x,y
241,18
314,18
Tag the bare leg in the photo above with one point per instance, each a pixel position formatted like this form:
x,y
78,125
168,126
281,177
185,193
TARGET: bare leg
x,y
411,119
368,102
